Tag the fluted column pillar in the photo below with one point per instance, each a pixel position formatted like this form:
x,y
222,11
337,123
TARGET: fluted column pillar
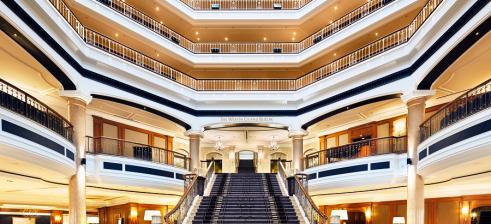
x,y
415,182
194,141
77,204
297,149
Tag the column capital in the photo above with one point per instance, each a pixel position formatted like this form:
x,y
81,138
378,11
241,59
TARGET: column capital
x,y
410,96
194,133
77,95
299,133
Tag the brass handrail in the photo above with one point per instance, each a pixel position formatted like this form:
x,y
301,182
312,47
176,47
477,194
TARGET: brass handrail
x,y
169,217
314,215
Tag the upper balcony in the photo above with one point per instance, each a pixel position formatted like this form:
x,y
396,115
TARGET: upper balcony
x,y
33,134
132,14
457,137
360,149
115,48
240,5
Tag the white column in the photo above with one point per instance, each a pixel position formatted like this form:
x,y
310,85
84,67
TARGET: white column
x,y
415,182
77,207
194,140
297,149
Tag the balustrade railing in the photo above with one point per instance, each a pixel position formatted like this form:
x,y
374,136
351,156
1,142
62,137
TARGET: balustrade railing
x,y
365,148
117,49
203,5
469,103
245,48
178,213
312,212
118,147
18,101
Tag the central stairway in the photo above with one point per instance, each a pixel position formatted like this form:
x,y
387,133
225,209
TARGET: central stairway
x,y
245,198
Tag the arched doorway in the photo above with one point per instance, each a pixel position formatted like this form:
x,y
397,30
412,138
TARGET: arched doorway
x,y
217,157
275,159
246,161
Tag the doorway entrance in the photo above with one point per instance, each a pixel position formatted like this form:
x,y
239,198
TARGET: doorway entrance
x,y
217,157
275,159
246,162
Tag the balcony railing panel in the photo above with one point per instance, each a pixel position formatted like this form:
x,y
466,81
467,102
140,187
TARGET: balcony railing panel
x,y
469,103
375,48
18,101
245,4
245,48
365,148
118,147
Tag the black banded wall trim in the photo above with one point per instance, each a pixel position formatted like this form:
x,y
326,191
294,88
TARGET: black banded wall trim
x,y
461,47
312,176
423,154
141,107
33,137
343,170
460,136
179,176
150,171
70,154
113,166
380,165
144,94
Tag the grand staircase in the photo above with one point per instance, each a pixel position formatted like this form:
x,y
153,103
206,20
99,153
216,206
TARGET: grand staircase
x,y
245,198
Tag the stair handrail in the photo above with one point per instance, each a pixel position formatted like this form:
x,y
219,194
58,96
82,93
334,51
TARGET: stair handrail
x,y
209,173
312,212
178,213
283,174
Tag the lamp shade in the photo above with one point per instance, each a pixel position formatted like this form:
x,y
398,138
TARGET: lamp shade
x,y
93,220
150,213
342,214
398,220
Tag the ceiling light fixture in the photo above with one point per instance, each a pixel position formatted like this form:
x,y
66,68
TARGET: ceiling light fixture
x,y
116,34
197,33
219,144
336,7
157,8
198,39
226,38
376,34
293,38
273,145
264,38
294,33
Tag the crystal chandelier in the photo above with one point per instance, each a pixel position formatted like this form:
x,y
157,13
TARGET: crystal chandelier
x,y
219,144
273,145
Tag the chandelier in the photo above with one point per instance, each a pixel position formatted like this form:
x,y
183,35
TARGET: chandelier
x,y
273,145
219,144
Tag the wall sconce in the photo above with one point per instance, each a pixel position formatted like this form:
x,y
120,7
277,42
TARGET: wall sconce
x,y
57,218
368,213
133,212
465,210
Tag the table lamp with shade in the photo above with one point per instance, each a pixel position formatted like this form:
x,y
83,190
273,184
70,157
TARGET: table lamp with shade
x,y
398,220
339,215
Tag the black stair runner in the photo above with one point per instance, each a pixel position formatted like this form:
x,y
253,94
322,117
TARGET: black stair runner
x,y
246,198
